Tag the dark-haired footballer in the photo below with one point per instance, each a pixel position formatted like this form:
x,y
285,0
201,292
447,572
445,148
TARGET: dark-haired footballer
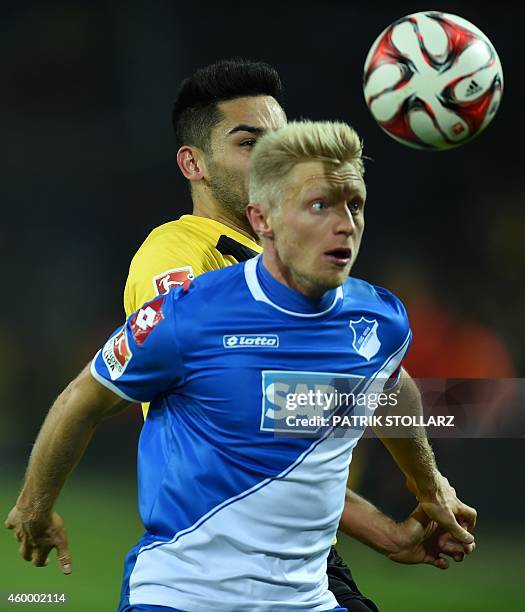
x,y
218,115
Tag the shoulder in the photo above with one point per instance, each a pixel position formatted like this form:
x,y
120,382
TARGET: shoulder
x,y
189,241
219,282
366,294
379,323
169,236
365,301
391,303
168,248
165,259
209,298
210,291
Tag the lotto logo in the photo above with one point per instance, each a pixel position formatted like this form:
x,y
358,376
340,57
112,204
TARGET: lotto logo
x,y
117,354
251,341
178,277
146,319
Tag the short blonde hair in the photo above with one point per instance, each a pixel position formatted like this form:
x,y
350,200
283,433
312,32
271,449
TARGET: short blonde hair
x,y
278,152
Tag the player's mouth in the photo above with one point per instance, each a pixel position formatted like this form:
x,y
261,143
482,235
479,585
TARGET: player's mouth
x,y
340,257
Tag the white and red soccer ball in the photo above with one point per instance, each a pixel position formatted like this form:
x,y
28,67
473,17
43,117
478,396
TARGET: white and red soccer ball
x,y
432,80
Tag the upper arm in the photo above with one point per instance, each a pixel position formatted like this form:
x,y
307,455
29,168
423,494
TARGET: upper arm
x,y
407,389
407,403
141,359
87,398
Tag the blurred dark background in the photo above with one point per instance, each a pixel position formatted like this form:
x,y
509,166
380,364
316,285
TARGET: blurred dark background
x,y
89,169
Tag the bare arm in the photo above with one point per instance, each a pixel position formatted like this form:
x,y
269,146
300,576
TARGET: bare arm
x,y
415,540
364,522
60,444
414,456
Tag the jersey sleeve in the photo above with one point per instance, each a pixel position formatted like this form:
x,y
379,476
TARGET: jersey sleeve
x,y
400,338
141,359
155,269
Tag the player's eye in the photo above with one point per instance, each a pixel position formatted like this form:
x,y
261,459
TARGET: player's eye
x,y
354,207
318,205
248,143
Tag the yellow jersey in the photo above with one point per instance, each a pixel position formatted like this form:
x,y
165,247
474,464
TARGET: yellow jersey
x,y
174,253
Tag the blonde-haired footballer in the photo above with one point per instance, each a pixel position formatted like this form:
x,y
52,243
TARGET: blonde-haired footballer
x,y
219,114
237,518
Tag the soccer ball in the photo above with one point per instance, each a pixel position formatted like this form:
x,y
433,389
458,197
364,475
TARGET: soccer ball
x,y
432,80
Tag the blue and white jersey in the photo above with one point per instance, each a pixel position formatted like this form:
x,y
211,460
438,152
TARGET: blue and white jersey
x,y
239,514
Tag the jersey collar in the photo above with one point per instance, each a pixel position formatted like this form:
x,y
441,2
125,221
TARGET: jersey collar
x,y
265,288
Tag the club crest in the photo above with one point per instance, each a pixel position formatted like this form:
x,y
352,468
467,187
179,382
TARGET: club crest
x,y
365,342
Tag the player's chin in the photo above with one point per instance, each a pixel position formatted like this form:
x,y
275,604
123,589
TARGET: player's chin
x,y
333,279
337,275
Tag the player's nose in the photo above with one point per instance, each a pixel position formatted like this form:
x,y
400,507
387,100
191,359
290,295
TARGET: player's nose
x,y
345,223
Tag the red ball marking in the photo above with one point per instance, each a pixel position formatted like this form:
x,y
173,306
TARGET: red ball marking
x,y
472,112
386,53
399,125
429,59
458,39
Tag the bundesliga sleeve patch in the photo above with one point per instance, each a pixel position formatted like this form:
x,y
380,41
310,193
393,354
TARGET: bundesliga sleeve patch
x,y
177,277
144,321
117,354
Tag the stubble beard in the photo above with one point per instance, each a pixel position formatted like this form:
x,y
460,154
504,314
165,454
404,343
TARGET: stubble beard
x,y
230,191
316,286
309,283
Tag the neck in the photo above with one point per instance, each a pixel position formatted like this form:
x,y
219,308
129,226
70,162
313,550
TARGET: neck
x,y
205,205
285,276
290,299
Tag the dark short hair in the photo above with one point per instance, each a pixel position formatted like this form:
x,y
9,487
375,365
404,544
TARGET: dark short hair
x,y
195,110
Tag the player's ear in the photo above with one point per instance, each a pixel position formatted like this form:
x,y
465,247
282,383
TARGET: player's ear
x,y
259,220
191,163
